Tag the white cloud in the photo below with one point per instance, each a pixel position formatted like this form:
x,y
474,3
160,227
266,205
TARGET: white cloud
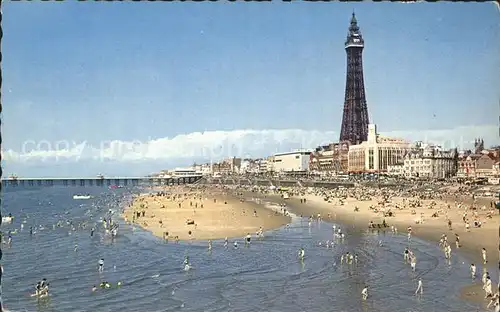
x,y
216,145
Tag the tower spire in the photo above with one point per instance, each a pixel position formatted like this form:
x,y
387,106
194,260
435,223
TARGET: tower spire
x,y
355,116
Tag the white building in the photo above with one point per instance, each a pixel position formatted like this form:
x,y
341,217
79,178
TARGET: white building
x,y
262,166
377,153
204,169
430,162
297,161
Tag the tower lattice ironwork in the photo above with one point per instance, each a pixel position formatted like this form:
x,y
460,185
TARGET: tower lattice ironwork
x,y
355,117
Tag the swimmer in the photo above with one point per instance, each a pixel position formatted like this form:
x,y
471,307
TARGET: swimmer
x,y
94,288
186,260
364,293
38,289
419,287
301,253
235,245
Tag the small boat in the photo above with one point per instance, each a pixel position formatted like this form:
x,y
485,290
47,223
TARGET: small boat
x,y
82,197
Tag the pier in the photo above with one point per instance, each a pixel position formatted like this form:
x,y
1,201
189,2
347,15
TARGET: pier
x,y
104,182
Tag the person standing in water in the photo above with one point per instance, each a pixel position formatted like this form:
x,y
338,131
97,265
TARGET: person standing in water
x,y
420,287
187,264
364,293
101,265
473,270
209,245
406,255
413,262
301,253
225,242
487,288
248,238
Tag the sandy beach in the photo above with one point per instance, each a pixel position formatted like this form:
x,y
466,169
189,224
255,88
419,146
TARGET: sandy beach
x,y
200,213
428,219
406,213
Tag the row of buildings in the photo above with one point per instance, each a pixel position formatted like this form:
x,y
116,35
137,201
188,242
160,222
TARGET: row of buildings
x,y
377,155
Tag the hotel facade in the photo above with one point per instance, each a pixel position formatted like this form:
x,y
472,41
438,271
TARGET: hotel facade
x,y
377,153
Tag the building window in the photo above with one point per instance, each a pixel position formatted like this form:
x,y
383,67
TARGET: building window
x,y
370,159
297,157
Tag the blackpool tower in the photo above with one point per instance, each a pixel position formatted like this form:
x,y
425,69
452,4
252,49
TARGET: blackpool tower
x,y
355,117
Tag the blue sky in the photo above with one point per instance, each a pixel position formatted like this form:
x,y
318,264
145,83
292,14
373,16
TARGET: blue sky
x,y
88,73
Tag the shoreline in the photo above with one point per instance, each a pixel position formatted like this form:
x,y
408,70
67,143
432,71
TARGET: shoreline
x,y
199,214
430,230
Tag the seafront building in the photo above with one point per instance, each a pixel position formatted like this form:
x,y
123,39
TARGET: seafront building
x,y
331,158
479,163
227,166
430,161
292,162
483,165
377,153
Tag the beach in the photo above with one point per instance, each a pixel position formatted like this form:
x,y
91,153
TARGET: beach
x,y
428,219
419,218
200,213
256,276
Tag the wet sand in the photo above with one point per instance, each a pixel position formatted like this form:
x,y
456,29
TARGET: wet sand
x,y
216,214
471,242
487,236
